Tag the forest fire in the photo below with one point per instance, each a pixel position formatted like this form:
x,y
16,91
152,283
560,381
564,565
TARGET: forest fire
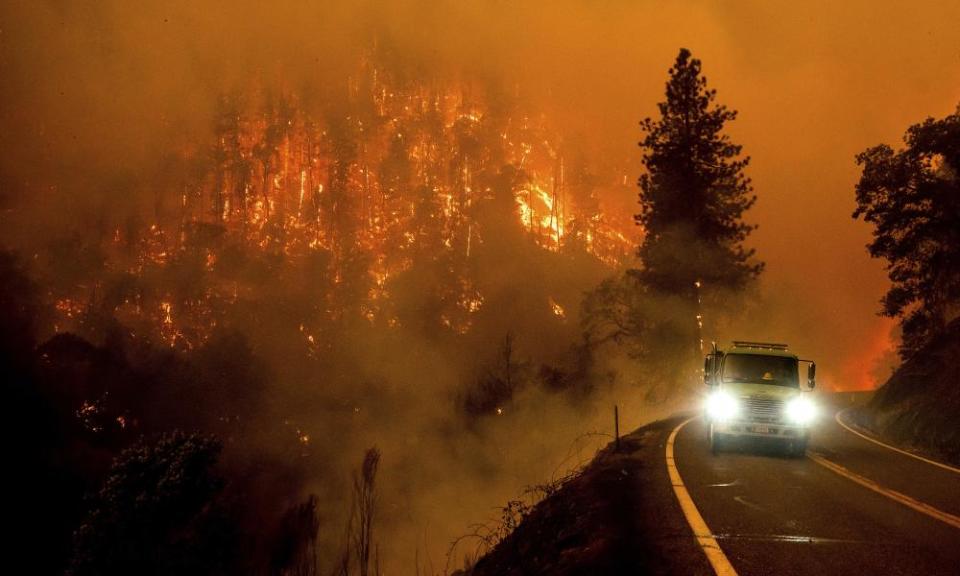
x,y
404,173
311,288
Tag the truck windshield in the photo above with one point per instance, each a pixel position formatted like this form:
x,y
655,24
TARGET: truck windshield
x,y
778,370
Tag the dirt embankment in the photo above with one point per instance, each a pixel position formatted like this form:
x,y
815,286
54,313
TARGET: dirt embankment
x,y
919,406
618,516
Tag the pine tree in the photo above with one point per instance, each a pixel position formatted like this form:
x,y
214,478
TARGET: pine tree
x,y
694,193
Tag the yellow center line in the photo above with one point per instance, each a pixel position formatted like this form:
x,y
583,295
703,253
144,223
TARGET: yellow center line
x,y
718,560
894,448
917,505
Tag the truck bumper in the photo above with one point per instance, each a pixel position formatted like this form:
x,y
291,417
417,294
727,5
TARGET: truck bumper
x,y
761,430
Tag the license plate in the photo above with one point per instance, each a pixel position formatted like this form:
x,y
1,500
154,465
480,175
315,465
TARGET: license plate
x,y
761,429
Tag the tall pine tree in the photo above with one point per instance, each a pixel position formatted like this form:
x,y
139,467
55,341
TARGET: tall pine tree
x,y
694,192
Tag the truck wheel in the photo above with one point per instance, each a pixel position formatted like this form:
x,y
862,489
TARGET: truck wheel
x,y
798,449
715,441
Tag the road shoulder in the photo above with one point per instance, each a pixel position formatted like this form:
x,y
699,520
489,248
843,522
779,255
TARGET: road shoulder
x,y
618,516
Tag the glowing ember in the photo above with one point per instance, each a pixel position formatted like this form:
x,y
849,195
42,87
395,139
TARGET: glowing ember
x,y
557,309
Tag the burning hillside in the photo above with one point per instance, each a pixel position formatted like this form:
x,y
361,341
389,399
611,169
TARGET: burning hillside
x,y
390,175
286,239
309,271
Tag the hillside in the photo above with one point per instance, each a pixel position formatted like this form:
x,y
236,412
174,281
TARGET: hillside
x,y
618,516
919,406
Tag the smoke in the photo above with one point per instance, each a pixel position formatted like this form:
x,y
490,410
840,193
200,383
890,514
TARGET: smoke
x,y
97,98
91,93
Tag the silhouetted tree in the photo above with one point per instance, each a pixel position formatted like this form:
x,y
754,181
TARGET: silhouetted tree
x,y
340,208
43,496
397,198
295,552
614,312
277,115
499,383
912,198
694,193
692,200
230,166
157,513
364,511
19,303
582,184
497,215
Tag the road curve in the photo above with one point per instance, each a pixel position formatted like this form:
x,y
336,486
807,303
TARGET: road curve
x,y
772,514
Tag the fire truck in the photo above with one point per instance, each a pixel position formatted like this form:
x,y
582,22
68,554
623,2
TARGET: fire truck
x,y
755,391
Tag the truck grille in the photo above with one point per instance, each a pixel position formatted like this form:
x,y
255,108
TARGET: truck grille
x,y
762,409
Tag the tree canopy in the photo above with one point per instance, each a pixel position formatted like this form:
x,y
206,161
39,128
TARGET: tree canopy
x,y
694,192
911,197
693,196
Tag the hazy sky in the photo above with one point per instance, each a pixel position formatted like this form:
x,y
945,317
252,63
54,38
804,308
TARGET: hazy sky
x,y
92,90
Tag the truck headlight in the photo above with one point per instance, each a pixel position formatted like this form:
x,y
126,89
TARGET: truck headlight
x,y
801,410
722,406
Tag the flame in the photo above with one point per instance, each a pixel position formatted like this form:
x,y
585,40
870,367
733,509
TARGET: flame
x,y
168,330
859,371
557,309
472,302
69,308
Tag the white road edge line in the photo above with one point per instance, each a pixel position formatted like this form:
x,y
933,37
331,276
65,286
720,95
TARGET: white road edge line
x,y
917,505
718,560
894,448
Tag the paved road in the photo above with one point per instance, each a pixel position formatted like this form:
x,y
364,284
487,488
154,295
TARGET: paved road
x,y
772,514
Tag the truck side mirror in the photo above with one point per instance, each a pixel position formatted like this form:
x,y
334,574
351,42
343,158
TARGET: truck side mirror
x,y
812,375
710,369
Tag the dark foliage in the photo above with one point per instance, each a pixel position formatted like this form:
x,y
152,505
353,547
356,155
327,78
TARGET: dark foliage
x,y
618,310
44,484
364,513
912,198
76,406
692,200
694,193
158,513
496,386
296,551
21,311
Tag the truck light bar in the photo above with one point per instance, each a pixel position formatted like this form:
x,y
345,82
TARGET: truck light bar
x,y
764,345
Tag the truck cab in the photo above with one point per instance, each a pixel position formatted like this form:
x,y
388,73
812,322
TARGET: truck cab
x,y
755,391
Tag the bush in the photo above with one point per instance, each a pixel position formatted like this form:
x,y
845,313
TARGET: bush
x,y
158,513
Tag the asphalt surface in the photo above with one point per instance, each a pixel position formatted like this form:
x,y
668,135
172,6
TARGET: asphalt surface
x,y
772,514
